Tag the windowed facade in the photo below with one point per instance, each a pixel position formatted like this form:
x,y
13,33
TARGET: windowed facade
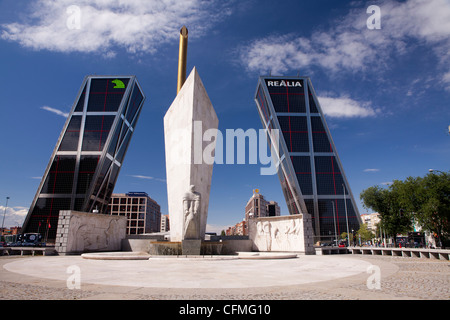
x,y
310,172
86,161
142,212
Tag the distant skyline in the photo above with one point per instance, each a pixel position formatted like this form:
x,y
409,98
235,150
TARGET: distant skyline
x,y
385,92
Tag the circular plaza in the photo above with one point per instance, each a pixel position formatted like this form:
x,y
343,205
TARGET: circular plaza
x,y
327,277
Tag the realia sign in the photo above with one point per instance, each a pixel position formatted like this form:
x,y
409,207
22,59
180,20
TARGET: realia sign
x,y
284,83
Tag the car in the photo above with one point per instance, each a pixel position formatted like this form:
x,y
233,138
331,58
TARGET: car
x,y
29,240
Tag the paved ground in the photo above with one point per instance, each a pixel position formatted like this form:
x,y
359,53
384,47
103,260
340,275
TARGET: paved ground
x,y
337,277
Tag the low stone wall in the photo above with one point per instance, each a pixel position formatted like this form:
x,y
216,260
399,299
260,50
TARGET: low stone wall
x,y
403,252
235,246
154,247
80,232
282,233
140,243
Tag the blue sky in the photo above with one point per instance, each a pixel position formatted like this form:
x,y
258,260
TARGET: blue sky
x,y
385,92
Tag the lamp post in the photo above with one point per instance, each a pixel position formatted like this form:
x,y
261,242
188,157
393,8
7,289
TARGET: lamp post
x,y
346,215
4,213
335,230
353,240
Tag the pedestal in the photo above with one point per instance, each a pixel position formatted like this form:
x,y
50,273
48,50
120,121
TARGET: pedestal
x,y
191,247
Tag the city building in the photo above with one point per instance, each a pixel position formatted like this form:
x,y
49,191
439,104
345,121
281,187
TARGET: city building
x,y
230,231
257,207
89,153
371,220
11,231
165,223
310,171
273,209
242,228
239,229
143,213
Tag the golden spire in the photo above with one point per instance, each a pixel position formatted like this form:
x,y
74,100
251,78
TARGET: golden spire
x,y
182,58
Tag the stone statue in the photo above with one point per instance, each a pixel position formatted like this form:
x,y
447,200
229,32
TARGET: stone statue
x,y
191,208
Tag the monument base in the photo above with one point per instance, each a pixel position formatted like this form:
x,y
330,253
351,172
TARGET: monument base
x,y
191,247
80,232
282,234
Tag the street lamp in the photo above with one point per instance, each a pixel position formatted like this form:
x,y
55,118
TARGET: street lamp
x,y
346,215
335,230
353,240
4,213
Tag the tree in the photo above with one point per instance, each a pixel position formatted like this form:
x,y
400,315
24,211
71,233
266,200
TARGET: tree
x,y
364,233
433,211
386,201
425,200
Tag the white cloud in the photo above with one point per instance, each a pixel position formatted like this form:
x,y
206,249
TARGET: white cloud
x,y
14,216
446,77
446,80
56,111
216,228
147,177
100,26
350,46
371,170
345,107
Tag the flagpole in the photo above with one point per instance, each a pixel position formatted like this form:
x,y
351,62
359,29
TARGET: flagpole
x,y
4,213
48,227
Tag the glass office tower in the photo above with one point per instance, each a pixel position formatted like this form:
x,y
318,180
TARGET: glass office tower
x,y
310,172
86,161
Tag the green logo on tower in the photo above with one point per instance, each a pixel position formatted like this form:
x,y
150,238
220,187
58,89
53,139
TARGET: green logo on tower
x,y
118,84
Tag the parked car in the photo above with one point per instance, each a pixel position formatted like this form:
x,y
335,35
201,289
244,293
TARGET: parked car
x,y
326,244
29,240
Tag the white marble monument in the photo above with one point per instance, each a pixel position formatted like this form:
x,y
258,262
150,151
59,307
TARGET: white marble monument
x,y
291,233
185,123
79,232
191,209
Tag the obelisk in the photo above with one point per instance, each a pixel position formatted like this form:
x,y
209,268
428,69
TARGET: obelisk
x,y
185,122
